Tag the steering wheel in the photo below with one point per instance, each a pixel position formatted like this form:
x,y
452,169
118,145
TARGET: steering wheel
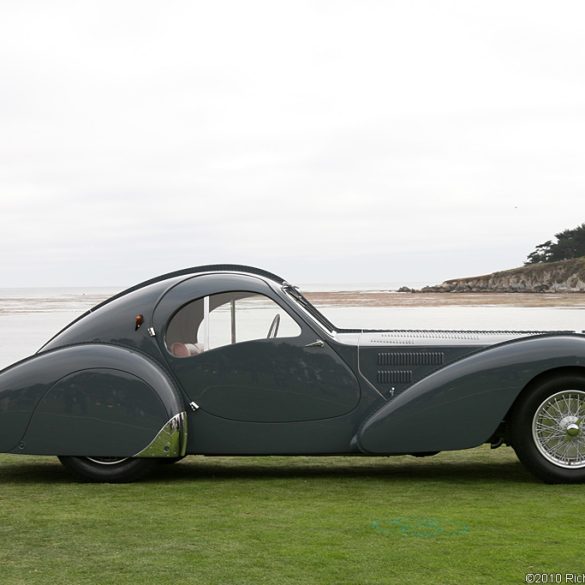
x,y
273,329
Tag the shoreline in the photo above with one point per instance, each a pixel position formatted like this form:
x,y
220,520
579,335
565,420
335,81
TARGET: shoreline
x,y
18,304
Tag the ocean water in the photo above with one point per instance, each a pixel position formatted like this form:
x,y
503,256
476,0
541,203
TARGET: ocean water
x,y
30,317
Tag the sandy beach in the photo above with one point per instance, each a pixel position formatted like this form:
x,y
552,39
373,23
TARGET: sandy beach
x,y
394,299
12,303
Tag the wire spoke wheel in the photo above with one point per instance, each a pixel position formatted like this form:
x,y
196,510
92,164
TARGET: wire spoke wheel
x,y
558,429
547,428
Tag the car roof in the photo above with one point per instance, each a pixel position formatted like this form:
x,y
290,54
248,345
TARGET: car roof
x,y
240,268
194,270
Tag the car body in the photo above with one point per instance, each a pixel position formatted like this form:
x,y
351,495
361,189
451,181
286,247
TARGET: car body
x,y
233,360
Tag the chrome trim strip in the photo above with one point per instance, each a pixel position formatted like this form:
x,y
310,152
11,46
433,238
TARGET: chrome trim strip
x,y
206,323
233,320
170,441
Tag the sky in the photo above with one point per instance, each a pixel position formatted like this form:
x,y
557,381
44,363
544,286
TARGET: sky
x,y
335,142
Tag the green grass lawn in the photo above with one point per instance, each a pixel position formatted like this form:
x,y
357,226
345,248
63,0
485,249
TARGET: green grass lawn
x,y
469,517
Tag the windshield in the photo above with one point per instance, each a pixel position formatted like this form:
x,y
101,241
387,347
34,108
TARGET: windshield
x,y
295,293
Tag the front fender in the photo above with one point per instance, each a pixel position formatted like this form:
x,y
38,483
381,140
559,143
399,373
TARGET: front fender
x,y
91,400
461,405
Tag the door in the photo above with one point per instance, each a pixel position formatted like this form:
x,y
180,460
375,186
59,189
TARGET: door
x,y
239,355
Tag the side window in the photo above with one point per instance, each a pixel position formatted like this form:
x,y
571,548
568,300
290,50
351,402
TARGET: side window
x,y
225,319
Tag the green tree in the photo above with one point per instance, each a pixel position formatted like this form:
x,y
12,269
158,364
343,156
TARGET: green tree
x,y
569,244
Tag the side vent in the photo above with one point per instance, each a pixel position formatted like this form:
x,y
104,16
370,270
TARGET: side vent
x,y
394,377
412,358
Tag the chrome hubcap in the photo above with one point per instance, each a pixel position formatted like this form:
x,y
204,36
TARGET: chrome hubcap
x,y
556,429
573,430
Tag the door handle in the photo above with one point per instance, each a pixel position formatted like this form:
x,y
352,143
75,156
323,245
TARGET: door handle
x,y
318,343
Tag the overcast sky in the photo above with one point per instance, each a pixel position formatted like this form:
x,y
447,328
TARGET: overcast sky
x,y
365,141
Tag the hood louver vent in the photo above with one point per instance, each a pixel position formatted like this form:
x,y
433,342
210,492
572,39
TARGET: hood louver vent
x,y
422,358
394,377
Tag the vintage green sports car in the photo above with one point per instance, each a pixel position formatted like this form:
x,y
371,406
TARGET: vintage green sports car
x,y
228,359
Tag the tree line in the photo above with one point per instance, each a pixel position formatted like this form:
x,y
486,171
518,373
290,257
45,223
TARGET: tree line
x,y
569,244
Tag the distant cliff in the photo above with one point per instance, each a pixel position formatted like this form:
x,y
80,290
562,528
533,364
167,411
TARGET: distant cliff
x,y
562,276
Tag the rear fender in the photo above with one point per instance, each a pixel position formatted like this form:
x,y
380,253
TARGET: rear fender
x,y
91,400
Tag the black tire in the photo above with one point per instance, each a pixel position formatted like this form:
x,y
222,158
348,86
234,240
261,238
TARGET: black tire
x,y
547,432
108,469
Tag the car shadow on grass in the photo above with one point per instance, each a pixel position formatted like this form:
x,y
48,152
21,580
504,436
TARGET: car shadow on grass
x,y
209,470
23,472
50,471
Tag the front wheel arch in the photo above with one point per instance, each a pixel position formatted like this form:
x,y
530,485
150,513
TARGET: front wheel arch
x,y
502,433
542,378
